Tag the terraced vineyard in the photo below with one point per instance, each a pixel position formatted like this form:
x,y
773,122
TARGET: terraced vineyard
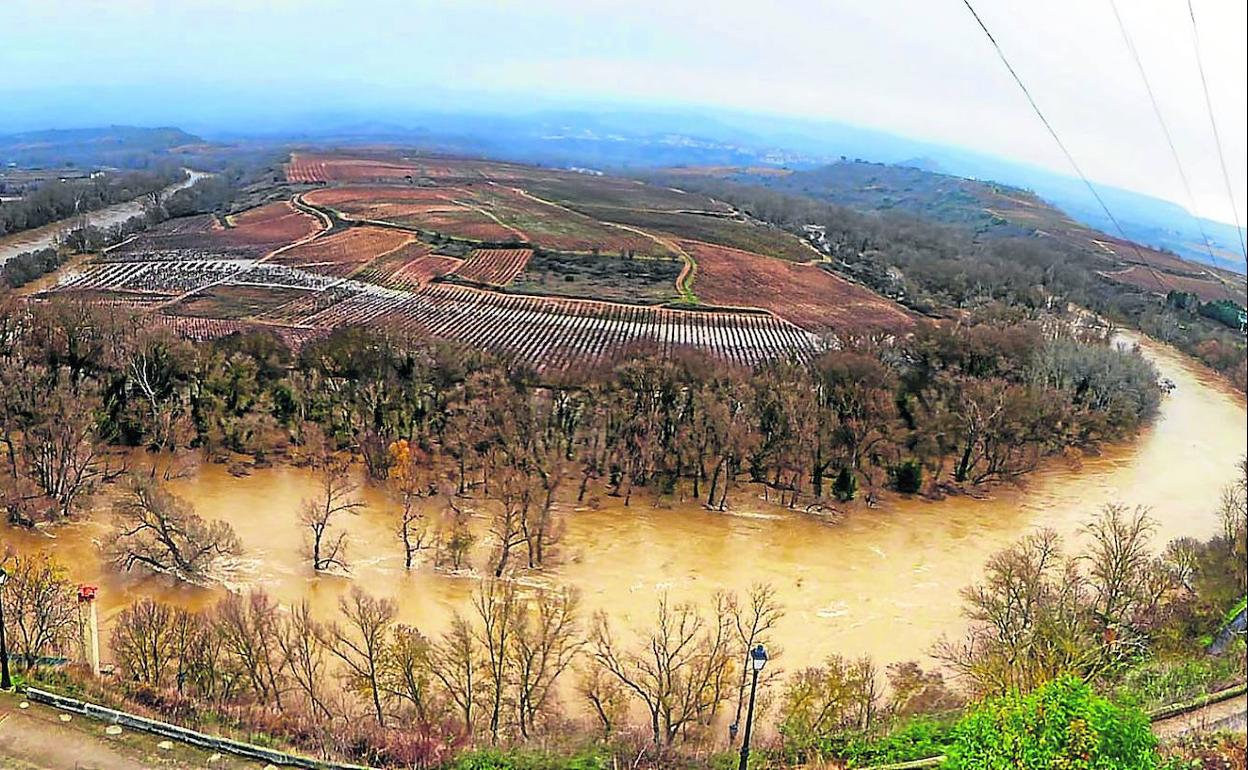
x,y
559,334
463,251
496,267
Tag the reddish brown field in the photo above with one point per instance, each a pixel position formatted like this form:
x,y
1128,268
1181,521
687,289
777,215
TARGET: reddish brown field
x,y
363,196
332,168
341,254
270,224
1159,282
449,211
497,267
215,328
409,267
807,295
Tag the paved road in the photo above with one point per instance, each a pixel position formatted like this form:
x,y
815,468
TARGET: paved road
x,y
36,739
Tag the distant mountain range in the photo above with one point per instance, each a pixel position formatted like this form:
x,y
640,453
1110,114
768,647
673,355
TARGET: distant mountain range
x,y
618,139
118,146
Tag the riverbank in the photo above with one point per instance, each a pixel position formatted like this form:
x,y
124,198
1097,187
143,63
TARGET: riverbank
x,y
46,236
847,586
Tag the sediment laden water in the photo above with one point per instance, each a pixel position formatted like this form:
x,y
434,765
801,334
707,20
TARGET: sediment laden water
x,y
882,582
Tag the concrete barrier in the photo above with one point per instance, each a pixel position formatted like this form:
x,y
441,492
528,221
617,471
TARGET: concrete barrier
x,y
182,734
1178,709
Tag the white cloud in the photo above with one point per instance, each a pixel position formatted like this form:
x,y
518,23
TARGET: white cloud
x,y
914,67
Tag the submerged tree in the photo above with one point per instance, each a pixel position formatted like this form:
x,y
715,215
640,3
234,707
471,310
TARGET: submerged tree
x,y
161,532
326,547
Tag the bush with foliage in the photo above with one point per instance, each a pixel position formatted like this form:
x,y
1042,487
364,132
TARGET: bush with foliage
x,y
918,739
497,759
907,477
1060,725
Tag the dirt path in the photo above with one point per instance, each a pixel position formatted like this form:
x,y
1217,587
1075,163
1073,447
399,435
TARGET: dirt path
x,y
684,281
35,738
305,239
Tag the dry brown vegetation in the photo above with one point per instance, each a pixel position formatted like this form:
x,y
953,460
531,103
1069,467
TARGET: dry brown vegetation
x,y
807,295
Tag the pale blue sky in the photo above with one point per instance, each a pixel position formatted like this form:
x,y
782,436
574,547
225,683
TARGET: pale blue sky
x,y
918,68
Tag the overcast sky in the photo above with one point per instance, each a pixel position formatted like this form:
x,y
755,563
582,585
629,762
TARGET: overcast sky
x,y
919,68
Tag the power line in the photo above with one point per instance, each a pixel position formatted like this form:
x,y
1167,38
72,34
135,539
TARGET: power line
x,y
1174,153
1213,124
1062,145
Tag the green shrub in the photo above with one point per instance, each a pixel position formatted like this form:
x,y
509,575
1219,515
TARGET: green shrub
x,y
908,477
1061,725
846,486
496,759
917,739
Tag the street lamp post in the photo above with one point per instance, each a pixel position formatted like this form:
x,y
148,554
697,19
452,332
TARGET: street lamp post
x,y
758,659
5,682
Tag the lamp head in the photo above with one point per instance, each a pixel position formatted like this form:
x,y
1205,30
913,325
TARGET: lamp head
x,y
758,658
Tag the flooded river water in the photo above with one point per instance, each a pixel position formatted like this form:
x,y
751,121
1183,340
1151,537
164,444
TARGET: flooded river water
x,y
47,236
883,582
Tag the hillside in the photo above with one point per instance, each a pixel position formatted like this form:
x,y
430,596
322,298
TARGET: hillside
x,y
989,210
557,269
114,146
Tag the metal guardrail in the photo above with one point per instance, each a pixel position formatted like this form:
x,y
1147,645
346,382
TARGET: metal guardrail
x,y
185,735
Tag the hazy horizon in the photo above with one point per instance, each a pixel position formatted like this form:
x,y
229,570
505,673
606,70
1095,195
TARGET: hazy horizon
x,y
918,71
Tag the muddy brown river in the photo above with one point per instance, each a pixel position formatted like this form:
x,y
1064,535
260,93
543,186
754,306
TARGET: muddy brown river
x,y
883,582
48,235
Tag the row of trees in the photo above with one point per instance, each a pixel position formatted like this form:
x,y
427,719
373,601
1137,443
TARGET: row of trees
x,y
512,669
948,407
56,200
520,663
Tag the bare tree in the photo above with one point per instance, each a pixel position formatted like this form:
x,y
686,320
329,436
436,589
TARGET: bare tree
x,y
361,644
513,491
409,477
144,642
249,629
457,666
303,657
826,701
162,533
456,538
605,694
61,451
408,669
545,641
496,607
753,625
681,671
1126,579
1029,621
325,547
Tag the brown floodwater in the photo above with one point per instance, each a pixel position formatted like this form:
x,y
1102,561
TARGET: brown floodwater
x,y
882,582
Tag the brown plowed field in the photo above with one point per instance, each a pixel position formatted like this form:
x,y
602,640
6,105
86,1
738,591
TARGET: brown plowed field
x,y
497,267
273,223
806,295
341,254
409,267
1208,289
